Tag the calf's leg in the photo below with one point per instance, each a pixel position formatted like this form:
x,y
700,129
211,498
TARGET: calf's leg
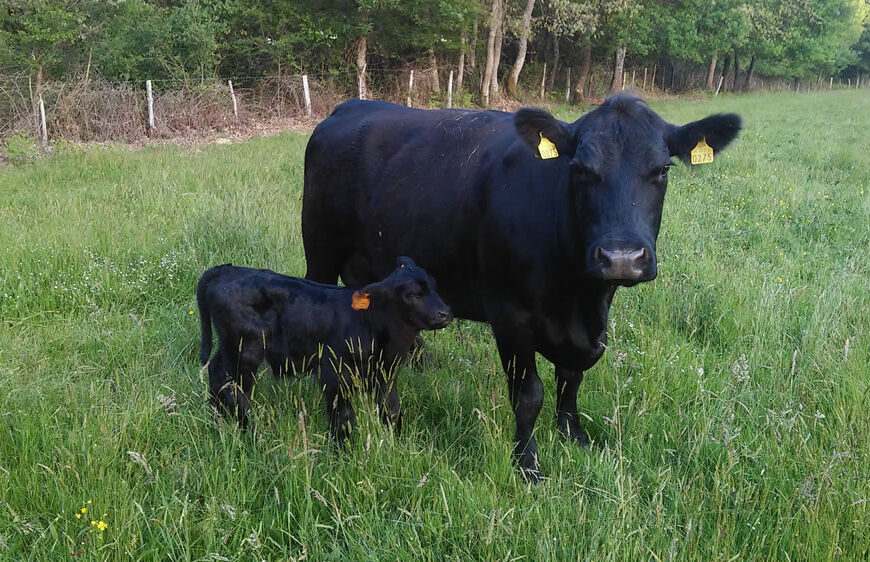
x,y
567,419
387,397
339,409
220,382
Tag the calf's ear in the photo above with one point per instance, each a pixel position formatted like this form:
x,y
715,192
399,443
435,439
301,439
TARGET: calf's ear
x,y
374,293
539,129
718,131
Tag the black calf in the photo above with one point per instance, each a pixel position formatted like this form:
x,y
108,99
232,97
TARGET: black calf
x,y
296,324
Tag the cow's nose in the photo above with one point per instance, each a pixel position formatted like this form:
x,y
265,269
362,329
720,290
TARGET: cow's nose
x,y
443,317
624,264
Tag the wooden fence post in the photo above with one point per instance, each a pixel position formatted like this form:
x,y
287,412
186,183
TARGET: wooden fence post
x,y
543,80
721,78
831,85
307,93
410,87
42,121
150,106
568,86
450,90
235,105
644,78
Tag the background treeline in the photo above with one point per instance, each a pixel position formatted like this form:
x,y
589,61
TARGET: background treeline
x,y
579,48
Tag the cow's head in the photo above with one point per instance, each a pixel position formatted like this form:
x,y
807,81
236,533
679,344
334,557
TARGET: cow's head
x,y
411,294
619,155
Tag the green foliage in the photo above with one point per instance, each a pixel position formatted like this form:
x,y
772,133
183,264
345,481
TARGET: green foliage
x,y
196,39
20,148
729,413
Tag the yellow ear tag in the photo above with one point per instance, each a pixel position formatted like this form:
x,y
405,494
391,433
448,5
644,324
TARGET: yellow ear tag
x,y
360,301
547,148
702,153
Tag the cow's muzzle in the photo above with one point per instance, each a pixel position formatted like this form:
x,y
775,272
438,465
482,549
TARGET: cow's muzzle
x,y
623,265
440,319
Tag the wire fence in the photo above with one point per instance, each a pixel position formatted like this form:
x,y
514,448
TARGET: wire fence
x,y
90,108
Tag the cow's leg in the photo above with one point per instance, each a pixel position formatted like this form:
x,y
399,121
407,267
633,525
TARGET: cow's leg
x,y
567,419
325,255
526,395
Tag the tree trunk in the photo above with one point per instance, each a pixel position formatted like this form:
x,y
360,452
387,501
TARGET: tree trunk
x,y
618,64
433,65
551,81
490,52
736,85
749,72
711,72
585,66
496,57
361,67
472,50
726,66
463,39
521,52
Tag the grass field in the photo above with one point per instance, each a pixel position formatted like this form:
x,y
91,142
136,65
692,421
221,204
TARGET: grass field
x,y
729,415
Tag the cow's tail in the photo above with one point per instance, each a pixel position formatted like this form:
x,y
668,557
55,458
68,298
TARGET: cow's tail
x,y
204,312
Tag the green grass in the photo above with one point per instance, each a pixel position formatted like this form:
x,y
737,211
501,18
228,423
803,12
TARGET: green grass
x,y
729,416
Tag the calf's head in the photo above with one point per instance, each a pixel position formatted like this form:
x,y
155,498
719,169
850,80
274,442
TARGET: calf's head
x,y
616,161
410,294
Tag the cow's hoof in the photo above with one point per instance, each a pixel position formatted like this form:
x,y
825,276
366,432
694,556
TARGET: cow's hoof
x,y
528,465
532,475
569,426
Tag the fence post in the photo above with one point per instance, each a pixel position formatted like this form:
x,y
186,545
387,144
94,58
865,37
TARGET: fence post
x,y
568,86
307,94
624,74
831,85
721,78
644,78
150,106
235,105
450,90
543,80
410,87
42,121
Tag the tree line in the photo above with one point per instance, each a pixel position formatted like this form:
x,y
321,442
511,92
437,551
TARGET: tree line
x,y
487,42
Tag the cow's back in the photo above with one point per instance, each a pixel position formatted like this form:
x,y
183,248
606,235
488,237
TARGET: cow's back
x,y
383,180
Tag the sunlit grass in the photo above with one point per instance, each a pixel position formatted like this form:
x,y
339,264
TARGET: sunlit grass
x,y
729,415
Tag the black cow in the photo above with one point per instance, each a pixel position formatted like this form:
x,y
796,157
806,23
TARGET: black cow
x,y
527,222
293,323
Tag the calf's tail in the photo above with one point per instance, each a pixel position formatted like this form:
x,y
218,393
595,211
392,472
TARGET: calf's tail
x,y
204,313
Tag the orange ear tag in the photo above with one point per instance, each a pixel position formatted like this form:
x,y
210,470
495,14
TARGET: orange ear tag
x,y
360,301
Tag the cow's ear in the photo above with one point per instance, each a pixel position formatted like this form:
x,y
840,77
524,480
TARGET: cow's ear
x,y
539,130
405,261
718,131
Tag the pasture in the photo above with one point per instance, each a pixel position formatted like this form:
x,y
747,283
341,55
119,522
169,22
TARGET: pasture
x,y
730,415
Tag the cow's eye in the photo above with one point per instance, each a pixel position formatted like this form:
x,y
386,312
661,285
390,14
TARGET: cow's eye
x,y
661,175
